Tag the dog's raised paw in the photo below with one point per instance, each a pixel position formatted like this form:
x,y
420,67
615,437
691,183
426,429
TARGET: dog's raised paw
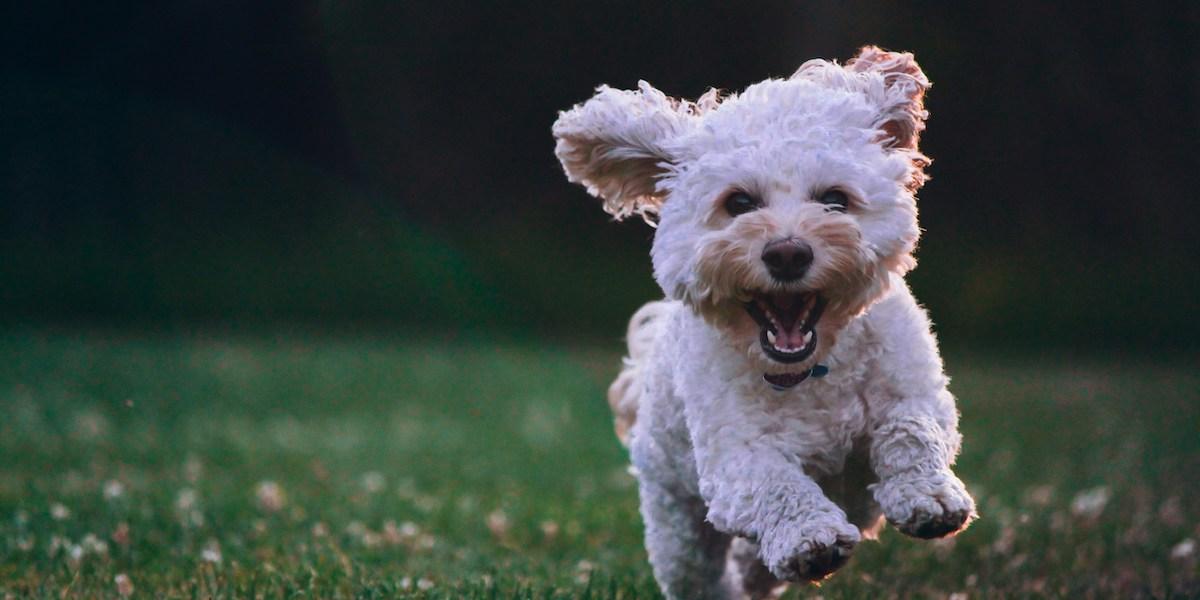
x,y
926,526
816,562
821,561
931,506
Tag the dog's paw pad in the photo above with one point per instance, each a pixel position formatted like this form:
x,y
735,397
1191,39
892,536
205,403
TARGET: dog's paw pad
x,y
926,526
820,561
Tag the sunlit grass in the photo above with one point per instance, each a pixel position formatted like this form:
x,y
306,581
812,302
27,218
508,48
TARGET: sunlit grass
x,y
336,465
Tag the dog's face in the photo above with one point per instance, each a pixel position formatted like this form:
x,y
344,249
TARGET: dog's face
x,y
783,212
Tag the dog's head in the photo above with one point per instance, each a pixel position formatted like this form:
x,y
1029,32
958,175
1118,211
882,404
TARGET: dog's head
x,y
783,212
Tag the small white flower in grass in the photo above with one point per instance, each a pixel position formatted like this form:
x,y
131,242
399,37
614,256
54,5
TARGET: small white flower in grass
x,y
1040,495
424,584
406,583
124,585
958,596
211,552
1171,512
113,490
356,528
391,533
94,545
74,554
25,544
270,496
370,539
549,530
187,504
59,512
583,571
497,523
320,530
373,482
1184,550
186,500
194,518
56,543
1088,504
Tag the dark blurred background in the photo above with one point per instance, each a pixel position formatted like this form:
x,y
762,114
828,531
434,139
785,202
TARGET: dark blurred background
x,y
390,164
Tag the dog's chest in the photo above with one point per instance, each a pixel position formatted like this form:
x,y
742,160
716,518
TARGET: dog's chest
x,y
819,424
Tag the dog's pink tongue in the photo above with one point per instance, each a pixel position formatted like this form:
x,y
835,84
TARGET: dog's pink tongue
x,y
790,339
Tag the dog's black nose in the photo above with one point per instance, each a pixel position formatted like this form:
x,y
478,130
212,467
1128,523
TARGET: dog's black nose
x,y
787,259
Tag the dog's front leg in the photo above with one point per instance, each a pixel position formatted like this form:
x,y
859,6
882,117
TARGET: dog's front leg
x,y
911,452
913,426
756,491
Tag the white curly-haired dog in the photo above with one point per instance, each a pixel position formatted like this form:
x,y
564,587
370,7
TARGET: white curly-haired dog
x,y
788,393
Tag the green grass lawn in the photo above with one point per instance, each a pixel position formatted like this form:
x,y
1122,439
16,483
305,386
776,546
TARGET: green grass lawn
x,y
381,466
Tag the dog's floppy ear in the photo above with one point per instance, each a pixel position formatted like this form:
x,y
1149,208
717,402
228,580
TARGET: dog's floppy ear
x,y
902,96
616,145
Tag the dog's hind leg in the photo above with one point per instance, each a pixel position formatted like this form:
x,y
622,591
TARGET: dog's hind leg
x,y
746,573
687,554
624,395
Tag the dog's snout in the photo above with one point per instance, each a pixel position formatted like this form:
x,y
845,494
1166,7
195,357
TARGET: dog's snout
x,y
787,259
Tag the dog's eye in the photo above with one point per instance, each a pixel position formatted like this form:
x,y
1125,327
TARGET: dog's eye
x,y
739,203
834,199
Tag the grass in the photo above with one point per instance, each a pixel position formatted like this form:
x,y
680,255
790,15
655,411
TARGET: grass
x,y
306,465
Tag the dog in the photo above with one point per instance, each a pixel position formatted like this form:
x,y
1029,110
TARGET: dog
x,y
787,395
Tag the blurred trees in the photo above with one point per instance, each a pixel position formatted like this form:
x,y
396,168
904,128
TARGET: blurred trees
x,y
345,161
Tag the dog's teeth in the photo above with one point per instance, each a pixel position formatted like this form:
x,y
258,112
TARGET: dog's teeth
x,y
771,337
808,337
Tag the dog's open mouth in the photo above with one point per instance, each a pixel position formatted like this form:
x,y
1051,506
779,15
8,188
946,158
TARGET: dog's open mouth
x,y
788,322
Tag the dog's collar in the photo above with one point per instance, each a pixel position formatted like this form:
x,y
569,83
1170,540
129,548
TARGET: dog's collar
x,y
780,383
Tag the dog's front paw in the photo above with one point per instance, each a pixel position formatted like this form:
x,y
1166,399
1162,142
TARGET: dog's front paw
x,y
814,553
926,505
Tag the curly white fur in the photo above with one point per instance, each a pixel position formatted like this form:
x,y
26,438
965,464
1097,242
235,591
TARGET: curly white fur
x,y
797,476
